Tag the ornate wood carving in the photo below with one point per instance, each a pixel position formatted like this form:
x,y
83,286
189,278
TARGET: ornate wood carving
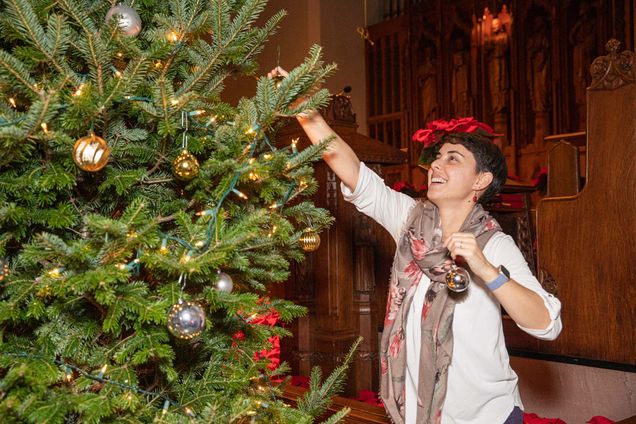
x,y
340,110
525,239
363,239
332,191
614,70
304,272
548,282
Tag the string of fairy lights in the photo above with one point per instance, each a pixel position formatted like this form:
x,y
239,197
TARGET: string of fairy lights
x,y
100,377
95,145
260,384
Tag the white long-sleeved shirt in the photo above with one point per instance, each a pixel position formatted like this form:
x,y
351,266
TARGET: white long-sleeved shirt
x,y
482,387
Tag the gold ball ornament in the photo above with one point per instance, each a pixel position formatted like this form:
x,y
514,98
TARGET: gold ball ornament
x,y
44,292
185,167
278,79
91,153
4,269
309,240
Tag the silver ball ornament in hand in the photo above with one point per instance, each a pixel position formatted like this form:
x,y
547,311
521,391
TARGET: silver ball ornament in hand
x,y
457,279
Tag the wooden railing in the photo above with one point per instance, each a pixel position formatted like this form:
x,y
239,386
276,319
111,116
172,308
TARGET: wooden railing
x,y
361,413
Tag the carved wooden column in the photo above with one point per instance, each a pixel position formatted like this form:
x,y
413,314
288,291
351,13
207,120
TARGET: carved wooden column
x,y
333,327
364,305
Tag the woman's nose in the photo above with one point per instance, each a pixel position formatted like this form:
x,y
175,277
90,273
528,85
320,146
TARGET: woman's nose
x,y
435,164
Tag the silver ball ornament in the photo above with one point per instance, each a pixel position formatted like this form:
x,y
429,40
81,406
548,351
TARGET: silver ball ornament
x,y
224,283
129,20
186,319
457,279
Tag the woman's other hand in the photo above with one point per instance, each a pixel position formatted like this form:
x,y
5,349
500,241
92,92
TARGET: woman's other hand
x,y
465,245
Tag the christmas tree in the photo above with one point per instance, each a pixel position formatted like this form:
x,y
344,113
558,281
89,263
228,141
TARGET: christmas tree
x,y
143,218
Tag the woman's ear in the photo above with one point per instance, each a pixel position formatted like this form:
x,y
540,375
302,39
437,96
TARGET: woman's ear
x,y
483,181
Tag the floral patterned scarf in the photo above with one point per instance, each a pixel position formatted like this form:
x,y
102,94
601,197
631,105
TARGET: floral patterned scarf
x,y
420,251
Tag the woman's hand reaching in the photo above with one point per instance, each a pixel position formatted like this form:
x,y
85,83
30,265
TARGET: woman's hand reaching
x,y
339,156
278,74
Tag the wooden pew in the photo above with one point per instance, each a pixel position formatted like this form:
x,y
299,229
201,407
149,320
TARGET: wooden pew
x,y
586,242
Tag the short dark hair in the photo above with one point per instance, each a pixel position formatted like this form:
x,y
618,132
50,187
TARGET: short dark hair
x,y
489,158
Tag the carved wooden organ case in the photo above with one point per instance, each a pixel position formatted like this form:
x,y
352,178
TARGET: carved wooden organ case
x,y
519,65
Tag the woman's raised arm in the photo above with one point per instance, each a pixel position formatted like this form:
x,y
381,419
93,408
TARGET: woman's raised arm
x,y
339,156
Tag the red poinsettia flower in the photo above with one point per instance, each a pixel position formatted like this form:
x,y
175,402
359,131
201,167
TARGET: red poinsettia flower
x,y
401,185
468,125
436,129
237,337
426,136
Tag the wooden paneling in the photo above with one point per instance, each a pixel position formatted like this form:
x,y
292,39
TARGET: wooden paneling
x,y
564,168
386,65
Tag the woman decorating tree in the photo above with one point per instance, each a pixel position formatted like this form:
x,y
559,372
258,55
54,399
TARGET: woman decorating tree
x,y
443,354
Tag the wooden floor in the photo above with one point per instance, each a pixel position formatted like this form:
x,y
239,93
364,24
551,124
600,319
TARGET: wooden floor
x,y
364,413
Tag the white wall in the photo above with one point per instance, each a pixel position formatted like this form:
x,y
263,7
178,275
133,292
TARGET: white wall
x,y
329,23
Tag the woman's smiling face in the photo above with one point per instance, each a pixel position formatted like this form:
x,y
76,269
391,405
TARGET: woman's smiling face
x,y
453,175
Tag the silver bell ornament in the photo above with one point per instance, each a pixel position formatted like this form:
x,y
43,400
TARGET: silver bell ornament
x,y
129,21
457,279
186,319
224,283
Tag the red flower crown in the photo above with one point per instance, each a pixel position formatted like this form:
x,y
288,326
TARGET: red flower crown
x,y
435,132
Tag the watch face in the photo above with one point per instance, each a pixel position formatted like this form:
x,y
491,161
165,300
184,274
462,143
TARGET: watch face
x,y
504,271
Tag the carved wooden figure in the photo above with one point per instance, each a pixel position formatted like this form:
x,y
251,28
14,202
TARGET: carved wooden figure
x,y
538,65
